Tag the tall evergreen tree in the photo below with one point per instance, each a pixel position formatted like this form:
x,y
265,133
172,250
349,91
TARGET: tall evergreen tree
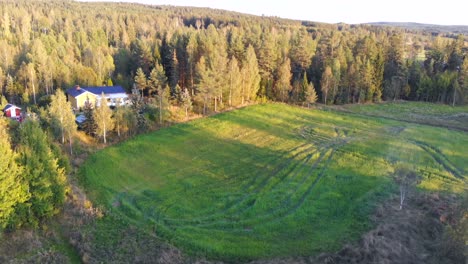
x,y
251,75
310,94
157,78
89,124
45,178
13,190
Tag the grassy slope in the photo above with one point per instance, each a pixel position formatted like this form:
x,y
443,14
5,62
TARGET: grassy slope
x,y
417,112
267,180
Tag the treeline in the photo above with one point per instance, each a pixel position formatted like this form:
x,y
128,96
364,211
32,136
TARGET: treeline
x,y
220,58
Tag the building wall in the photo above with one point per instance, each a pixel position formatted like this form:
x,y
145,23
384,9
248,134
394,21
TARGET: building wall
x,y
72,101
13,112
79,102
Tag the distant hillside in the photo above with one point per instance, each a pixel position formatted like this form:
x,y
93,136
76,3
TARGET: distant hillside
x,y
435,29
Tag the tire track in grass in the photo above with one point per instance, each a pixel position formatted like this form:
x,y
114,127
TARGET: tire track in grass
x,y
245,189
233,177
246,198
274,215
325,145
270,216
249,206
237,205
262,217
440,158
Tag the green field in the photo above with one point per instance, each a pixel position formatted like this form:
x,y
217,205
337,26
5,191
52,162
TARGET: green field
x,y
269,180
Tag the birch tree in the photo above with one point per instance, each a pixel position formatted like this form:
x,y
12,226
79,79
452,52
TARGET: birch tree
x,y
405,177
186,101
103,118
63,119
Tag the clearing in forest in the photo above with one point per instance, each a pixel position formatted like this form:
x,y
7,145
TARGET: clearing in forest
x,y
269,180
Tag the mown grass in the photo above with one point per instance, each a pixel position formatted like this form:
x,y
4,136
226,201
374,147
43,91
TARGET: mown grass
x,y
424,113
268,180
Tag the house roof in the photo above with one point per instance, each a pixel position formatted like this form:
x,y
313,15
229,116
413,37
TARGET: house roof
x,y
8,106
97,90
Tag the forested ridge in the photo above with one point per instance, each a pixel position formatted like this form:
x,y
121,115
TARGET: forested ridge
x,y
222,58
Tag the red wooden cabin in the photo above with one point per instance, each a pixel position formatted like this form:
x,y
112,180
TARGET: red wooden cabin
x,y
12,111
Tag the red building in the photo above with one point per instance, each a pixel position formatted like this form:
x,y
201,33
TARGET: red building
x,y
12,111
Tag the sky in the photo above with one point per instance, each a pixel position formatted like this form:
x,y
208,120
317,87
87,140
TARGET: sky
x,y
443,12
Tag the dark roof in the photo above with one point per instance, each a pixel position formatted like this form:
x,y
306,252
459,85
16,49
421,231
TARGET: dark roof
x,y
8,106
97,90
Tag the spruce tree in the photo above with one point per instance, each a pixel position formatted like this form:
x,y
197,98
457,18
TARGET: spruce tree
x,y
45,178
310,94
89,125
251,73
13,190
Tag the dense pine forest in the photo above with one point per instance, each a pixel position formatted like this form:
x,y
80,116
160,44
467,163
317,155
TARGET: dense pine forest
x,y
220,58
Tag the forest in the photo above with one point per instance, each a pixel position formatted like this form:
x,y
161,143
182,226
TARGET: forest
x,y
221,58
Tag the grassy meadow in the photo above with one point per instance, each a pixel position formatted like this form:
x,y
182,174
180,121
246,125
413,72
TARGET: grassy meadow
x,y
269,180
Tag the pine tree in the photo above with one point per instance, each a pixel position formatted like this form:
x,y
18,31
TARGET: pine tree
x,y
302,49
61,113
157,78
103,118
13,190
